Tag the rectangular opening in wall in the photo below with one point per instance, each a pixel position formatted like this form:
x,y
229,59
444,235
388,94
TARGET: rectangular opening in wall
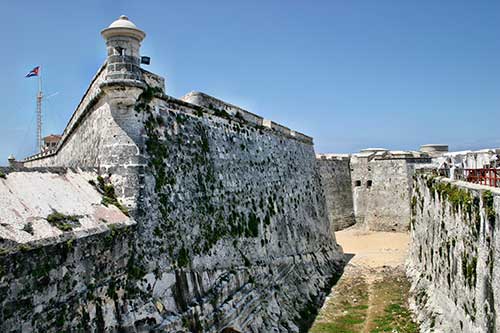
x,y
368,183
357,183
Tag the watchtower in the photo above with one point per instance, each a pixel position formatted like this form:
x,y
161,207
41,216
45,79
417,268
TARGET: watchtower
x,y
123,42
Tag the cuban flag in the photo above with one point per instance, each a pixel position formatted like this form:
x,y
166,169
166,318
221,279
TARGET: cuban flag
x,y
34,72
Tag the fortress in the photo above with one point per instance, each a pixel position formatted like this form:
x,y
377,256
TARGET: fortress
x,y
154,213
166,214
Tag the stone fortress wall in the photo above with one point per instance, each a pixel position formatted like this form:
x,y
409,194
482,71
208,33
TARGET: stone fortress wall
x,y
454,255
381,182
335,171
229,222
381,190
370,189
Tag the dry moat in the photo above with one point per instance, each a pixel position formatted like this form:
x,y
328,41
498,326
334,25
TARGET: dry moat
x,y
372,294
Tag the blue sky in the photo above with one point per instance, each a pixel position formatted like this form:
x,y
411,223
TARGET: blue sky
x,y
352,74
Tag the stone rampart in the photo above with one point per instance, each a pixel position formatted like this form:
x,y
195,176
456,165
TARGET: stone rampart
x,y
381,190
454,255
224,109
230,217
66,286
63,242
253,208
336,181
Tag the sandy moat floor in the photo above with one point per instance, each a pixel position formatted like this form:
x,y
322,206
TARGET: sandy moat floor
x,y
371,296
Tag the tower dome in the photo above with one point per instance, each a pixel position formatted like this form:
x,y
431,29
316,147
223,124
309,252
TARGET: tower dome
x,y
123,27
123,22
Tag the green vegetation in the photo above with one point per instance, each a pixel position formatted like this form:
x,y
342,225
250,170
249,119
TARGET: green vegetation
x,y
145,97
219,112
183,258
109,195
458,197
253,225
396,317
488,204
63,222
390,312
28,227
469,270
134,270
216,221
3,175
198,112
414,205
350,310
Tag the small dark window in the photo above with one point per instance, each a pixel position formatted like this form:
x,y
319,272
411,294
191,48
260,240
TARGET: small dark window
x,y
368,183
120,50
357,183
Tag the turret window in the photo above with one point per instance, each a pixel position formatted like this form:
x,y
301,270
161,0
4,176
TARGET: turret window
x,y
120,51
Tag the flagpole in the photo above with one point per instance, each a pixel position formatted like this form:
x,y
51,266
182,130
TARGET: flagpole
x,y
39,97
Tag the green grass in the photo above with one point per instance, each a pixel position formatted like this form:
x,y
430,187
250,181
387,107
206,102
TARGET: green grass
x,y
391,295
351,310
347,311
397,317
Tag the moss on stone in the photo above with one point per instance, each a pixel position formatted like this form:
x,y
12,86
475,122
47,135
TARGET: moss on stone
x,y
109,195
488,204
183,259
469,269
414,205
63,222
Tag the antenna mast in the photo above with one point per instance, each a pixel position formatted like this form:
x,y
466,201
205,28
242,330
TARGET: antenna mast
x,y
39,97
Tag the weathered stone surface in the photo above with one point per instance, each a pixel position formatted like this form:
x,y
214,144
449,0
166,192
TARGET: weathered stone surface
x,y
336,182
454,255
381,191
29,198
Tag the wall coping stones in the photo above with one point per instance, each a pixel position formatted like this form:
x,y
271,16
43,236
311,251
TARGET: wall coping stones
x,y
31,196
236,113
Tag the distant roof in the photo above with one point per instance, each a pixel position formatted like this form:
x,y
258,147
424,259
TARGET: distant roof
x,y
400,152
52,137
373,150
435,145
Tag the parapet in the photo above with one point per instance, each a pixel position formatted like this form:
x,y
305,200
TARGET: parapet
x,y
217,105
153,80
340,157
48,205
